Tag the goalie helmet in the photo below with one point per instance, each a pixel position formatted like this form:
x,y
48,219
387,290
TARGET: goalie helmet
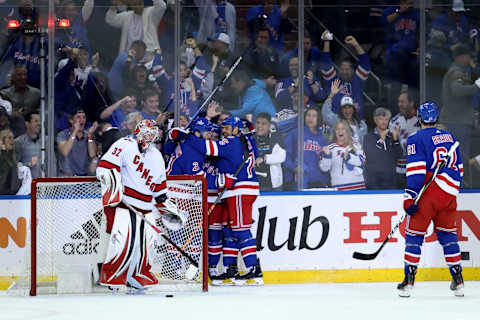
x,y
428,112
146,132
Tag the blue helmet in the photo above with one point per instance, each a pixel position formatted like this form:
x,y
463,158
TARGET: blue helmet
x,y
215,128
428,112
201,125
233,121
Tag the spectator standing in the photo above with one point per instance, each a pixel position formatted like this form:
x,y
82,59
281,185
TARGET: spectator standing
x,y
150,108
28,145
312,86
252,95
76,145
454,25
14,177
313,143
9,180
4,120
352,79
407,122
401,60
24,98
271,155
136,54
137,24
344,159
131,121
458,90
382,149
117,113
76,36
269,15
260,57
347,112
96,96
216,16
312,57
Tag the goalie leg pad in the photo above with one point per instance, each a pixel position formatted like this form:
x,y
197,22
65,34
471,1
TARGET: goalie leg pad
x,y
143,274
112,188
247,245
230,248
451,250
413,251
215,246
121,248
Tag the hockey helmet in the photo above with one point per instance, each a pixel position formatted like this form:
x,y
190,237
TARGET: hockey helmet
x,y
146,132
201,125
233,121
428,112
215,128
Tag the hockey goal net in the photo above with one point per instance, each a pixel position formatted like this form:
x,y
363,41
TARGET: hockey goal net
x,y
67,235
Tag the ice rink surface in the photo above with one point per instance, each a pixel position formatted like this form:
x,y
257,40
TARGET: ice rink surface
x,y
355,301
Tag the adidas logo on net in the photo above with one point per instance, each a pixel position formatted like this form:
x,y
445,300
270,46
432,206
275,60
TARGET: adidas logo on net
x,y
86,240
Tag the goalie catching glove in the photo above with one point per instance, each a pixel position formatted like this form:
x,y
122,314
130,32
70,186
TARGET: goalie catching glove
x,y
171,217
112,187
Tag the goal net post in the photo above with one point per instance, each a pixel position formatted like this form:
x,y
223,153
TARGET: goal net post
x,y
67,240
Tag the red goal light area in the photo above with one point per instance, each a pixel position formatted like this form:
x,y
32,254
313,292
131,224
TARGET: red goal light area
x,y
13,24
63,23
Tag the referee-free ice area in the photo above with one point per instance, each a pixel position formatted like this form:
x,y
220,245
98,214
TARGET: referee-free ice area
x,y
372,301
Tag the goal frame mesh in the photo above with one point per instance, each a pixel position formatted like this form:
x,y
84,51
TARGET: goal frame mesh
x,y
33,219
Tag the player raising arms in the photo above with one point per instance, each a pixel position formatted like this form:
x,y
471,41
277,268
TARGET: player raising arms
x,y
132,171
425,150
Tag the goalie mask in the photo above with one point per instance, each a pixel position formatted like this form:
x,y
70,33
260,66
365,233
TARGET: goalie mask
x,y
146,132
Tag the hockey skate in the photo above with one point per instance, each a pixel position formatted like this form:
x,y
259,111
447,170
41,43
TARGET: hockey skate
x,y
457,281
215,276
227,278
253,276
406,285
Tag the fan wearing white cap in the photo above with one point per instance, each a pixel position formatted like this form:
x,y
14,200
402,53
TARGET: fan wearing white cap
x,y
348,111
454,25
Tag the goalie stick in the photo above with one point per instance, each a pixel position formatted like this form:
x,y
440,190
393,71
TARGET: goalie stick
x,y
192,270
443,163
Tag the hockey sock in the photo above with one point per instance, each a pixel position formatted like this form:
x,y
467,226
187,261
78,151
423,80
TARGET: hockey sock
x,y
413,251
248,247
451,250
230,248
215,246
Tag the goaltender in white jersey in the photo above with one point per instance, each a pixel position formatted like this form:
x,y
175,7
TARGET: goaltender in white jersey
x,y
133,172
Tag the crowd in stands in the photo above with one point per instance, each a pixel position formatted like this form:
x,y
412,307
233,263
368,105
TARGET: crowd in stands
x,y
114,66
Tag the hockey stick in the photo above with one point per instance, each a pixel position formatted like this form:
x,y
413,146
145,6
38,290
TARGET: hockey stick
x,y
443,163
217,201
222,83
192,270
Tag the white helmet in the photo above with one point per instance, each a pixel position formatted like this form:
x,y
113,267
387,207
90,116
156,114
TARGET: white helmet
x,y
146,132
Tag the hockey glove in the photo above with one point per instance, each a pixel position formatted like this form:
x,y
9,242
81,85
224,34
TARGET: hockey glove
x,y
225,180
177,134
410,207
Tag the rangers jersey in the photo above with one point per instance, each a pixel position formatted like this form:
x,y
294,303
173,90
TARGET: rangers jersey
x,y
188,156
143,174
344,174
407,127
425,150
230,155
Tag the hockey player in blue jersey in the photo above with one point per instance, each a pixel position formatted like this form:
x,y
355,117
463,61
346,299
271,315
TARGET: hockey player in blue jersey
x,y
425,150
233,151
185,150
